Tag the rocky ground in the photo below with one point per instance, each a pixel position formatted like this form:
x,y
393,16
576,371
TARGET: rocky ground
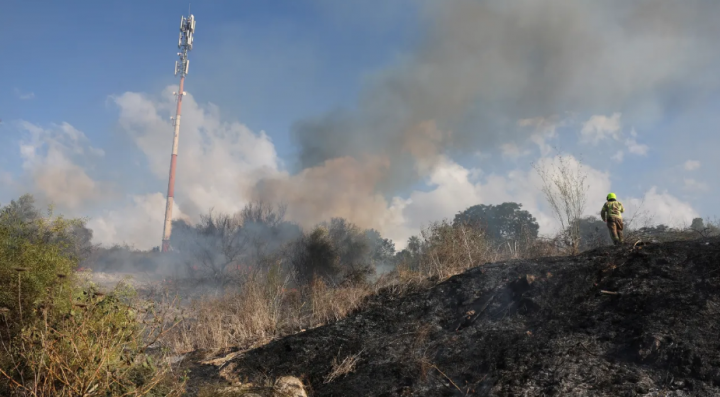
x,y
616,321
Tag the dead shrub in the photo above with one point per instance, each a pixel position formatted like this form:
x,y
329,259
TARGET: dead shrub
x,y
342,368
565,189
446,250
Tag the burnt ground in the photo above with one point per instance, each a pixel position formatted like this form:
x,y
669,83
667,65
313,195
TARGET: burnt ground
x,y
524,328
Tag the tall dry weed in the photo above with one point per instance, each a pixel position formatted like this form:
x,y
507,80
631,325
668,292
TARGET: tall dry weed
x,y
261,308
447,250
268,303
99,348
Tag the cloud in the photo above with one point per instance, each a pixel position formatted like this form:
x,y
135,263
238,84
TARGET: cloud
x,y
511,150
659,208
218,165
692,185
24,96
452,189
96,151
619,156
54,160
478,68
600,127
636,148
691,165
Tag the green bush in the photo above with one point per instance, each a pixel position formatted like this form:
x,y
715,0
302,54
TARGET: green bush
x,y
34,267
59,335
95,349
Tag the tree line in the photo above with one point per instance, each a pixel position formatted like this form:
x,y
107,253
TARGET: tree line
x,y
260,236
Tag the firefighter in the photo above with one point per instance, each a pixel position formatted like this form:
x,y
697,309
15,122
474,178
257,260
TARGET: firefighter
x,y
611,214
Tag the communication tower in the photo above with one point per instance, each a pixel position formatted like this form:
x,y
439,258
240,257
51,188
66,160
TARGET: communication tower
x,y
185,44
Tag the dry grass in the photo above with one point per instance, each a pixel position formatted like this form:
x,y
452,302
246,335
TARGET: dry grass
x,y
264,305
448,250
99,349
246,317
333,304
259,306
342,368
262,308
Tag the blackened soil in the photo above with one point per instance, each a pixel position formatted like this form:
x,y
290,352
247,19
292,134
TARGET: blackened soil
x,y
527,328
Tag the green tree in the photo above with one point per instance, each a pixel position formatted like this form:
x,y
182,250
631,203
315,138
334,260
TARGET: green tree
x,y
315,256
414,245
501,223
410,256
697,224
703,229
382,250
593,233
23,209
352,247
339,250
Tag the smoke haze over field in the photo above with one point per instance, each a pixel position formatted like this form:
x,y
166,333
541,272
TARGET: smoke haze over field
x,y
453,121
483,66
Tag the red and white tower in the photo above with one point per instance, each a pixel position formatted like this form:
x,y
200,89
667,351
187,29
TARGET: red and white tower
x,y
185,43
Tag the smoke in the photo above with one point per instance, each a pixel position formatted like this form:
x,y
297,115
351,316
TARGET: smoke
x,y
137,224
218,162
341,187
49,157
482,67
486,76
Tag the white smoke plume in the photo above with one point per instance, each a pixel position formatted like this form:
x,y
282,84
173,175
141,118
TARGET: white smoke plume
x,y
487,76
56,161
217,162
483,68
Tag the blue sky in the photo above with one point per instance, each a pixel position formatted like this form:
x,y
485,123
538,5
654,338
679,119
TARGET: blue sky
x,y
397,112
268,63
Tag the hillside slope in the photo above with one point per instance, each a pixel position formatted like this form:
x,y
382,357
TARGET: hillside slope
x,y
525,328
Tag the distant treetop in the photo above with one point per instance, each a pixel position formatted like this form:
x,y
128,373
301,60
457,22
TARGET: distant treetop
x,y
504,222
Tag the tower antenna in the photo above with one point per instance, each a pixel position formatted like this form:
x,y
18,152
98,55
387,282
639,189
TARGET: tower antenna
x,y
185,44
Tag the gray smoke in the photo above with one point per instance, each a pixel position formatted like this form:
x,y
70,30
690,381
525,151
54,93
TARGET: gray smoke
x,y
484,65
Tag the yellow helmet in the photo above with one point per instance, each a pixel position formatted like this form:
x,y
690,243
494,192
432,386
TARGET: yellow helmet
x,y
611,196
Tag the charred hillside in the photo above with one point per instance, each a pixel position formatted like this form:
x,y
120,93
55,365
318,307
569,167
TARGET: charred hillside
x,y
641,321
